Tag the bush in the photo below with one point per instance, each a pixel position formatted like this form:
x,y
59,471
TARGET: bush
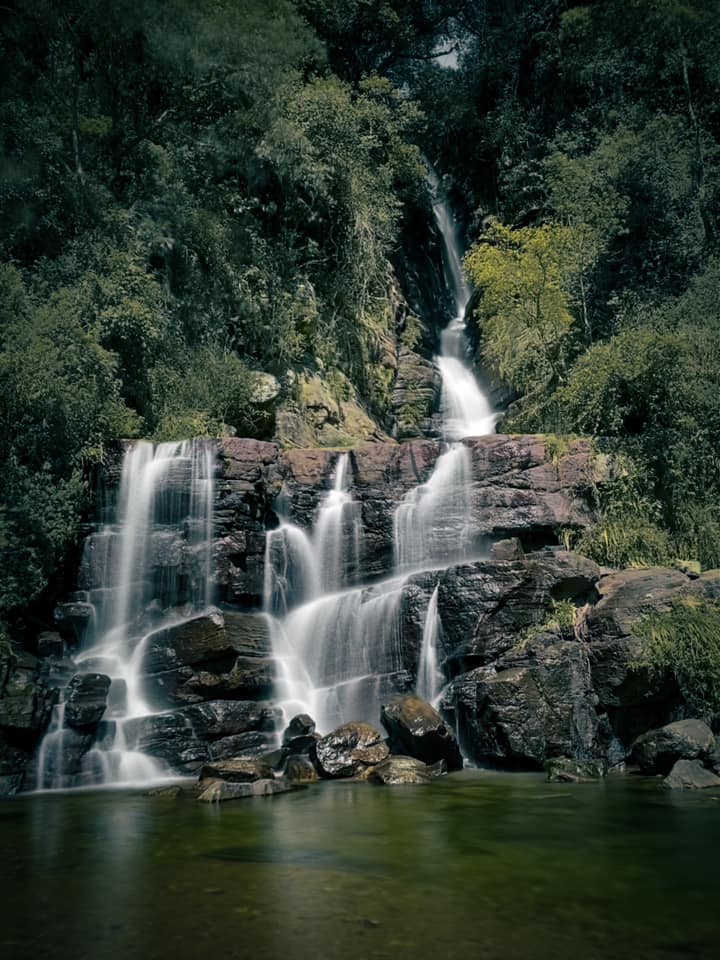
x,y
684,643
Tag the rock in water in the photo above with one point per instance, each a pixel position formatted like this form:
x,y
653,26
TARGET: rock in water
x,y
300,770
301,725
690,775
237,770
415,728
658,750
402,770
216,791
86,699
562,770
350,749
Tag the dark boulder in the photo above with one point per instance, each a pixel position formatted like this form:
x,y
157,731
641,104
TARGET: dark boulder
x,y
301,725
416,729
691,775
406,770
86,699
534,704
349,749
657,751
214,656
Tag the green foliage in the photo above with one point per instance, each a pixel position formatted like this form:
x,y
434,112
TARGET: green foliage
x,y
684,642
524,276
206,392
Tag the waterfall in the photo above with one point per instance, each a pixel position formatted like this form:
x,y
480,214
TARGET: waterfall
x,y
430,680
466,409
148,568
338,643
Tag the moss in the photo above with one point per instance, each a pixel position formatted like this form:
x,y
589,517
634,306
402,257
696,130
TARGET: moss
x,y
556,447
684,642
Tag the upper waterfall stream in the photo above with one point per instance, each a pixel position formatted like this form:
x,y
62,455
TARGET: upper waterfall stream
x,y
339,644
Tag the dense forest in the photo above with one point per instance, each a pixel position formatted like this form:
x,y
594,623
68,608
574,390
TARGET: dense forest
x,y
208,204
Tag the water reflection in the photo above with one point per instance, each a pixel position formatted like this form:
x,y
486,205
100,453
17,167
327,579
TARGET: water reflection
x,y
506,866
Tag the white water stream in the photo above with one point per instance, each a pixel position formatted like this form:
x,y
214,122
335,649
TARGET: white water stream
x,y
340,646
147,569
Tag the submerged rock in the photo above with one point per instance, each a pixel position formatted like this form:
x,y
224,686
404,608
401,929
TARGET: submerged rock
x,y
416,728
691,775
217,791
349,749
563,770
406,770
657,751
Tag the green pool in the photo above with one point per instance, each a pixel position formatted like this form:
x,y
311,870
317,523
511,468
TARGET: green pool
x,y
483,865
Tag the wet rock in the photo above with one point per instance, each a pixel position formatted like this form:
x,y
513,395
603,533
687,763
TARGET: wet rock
x,y
534,704
691,775
405,770
25,700
73,618
564,770
217,791
301,725
300,770
485,607
349,749
223,718
209,657
657,751
415,728
86,699
50,644
169,737
251,743
237,770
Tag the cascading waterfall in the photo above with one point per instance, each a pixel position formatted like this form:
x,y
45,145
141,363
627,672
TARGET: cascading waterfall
x,y
149,568
339,644
466,409
430,678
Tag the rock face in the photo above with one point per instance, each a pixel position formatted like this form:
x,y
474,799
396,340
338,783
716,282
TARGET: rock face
x,y
534,704
657,751
691,775
632,703
209,657
349,750
86,699
415,728
187,738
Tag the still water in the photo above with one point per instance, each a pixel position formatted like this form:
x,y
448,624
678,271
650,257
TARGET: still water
x,y
481,865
